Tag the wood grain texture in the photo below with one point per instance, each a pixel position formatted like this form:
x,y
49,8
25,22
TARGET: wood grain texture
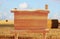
x,y
30,20
31,23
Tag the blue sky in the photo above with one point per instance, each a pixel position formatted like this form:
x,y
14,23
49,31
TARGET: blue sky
x,y
7,5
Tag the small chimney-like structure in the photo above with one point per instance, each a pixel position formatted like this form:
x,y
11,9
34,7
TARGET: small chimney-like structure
x,y
46,7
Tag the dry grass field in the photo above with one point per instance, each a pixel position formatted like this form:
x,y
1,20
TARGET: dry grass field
x,y
52,34
4,22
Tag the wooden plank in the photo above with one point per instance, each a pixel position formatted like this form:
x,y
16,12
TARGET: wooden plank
x,y
29,28
30,17
36,13
22,23
30,22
